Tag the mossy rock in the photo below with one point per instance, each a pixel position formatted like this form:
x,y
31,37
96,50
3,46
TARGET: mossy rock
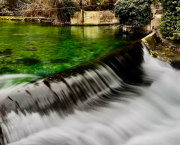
x,y
167,49
151,41
176,64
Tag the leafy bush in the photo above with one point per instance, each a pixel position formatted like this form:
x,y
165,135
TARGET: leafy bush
x,y
136,13
170,25
67,8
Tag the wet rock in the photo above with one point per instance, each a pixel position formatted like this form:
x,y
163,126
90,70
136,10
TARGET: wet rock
x,y
176,64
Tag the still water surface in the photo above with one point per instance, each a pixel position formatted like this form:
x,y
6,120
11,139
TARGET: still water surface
x,y
39,49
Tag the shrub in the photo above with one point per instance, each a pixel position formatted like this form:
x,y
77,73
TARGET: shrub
x,y
170,25
67,9
136,13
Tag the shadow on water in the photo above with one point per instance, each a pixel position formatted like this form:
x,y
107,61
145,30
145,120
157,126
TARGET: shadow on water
x,y
59,61
8,70
6,52
27,61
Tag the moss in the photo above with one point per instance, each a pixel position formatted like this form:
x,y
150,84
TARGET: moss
x,y
162,50
167,49
151,41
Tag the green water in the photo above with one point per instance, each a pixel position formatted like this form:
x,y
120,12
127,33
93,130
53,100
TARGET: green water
x,y
34,48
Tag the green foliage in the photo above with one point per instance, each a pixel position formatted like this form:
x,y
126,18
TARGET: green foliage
x,y
136,13
66,8
170,25
97,2
70,10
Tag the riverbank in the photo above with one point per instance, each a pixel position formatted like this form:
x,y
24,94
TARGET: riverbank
x,y
19,18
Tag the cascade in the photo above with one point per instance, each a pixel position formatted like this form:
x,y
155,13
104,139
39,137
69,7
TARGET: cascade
x,y
125,97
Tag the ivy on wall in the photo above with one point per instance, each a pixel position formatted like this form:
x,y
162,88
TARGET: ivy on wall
x,y
136,13
170,25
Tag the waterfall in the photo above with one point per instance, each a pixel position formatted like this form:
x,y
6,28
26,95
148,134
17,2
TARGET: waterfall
x,y
123,98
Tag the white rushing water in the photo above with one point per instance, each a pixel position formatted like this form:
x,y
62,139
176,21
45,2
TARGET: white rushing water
x,y
153,118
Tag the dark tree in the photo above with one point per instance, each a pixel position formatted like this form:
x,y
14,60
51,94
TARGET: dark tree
x,y
170,25
135,13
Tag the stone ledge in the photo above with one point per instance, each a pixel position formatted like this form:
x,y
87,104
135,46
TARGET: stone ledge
x,y
164,50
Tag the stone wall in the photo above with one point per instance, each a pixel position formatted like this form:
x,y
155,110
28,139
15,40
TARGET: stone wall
x,y
108,18
157,15
94,18
151,41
